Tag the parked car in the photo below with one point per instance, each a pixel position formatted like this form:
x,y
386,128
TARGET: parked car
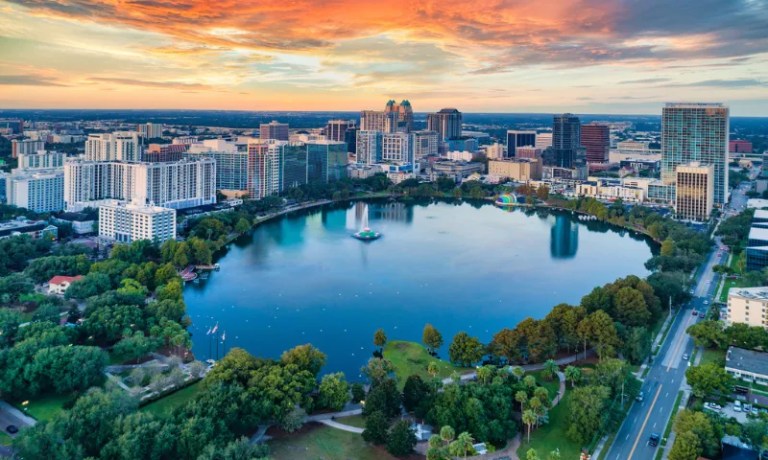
x,y
737,406
653,441
640,396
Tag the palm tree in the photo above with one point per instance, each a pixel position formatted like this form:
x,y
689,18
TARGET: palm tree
x,y
484,373
542,394
447,434
522,398
518,372
554,455
529,418
529,381
550,369
463,444
432,369
573,374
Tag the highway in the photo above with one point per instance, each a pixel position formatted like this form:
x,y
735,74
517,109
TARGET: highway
x,y
667,373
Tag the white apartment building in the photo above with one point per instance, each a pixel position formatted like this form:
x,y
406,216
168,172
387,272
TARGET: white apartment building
x,y
397,148
39,190
41,160
748,306
231,162
127,222
26,147
180,184
120,146
264,168
425,143
150,130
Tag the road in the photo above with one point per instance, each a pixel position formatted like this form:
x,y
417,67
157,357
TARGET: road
x,y
667,373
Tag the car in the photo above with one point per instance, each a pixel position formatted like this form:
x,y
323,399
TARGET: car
x,y
694,312
653,441
706,302
737,406
12,429
685,356
702,315
754,411
640,396
747,408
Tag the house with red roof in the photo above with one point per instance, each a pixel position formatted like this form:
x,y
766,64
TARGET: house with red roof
x,y
59,284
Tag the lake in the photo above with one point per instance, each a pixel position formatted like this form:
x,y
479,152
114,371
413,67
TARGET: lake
x,y
302,278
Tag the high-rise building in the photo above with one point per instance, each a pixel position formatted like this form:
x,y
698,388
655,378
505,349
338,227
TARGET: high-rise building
x,y
696,132
12,125
26,147
5,180
274,130
120,146
695,191
150,130
566,140
231,162
404,115
447,123
516,139
326,161
263,168
39,190
596,140
293,165
158,153
739,146
127,222
397,148
181,184
495,151
376,120
336,130
543,141
368,149
425,143
528,152
42,160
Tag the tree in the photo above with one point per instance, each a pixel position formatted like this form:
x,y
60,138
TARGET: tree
x,y
521,397
603,334
573,375
707,378
586,407
242,226
240,449
550,369
358,392
9,326
531,455
637,345
414,392
293,420
756,433
401,439
432,369
334,391
305,357
529,418
686,447
376,428
432,338
134,346
631,309
465,350
518,372
462,446
383,397
708,334
380,338
447,434
554,455
485,373
529,381
699,424
377,370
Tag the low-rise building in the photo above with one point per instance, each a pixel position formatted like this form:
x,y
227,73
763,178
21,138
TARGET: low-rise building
x,y
33,228
747,365
516,169
757,248
81,223
607,190
59,284
456,170
127,222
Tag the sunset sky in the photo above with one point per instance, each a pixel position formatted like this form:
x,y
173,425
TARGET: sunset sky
x,y
583,56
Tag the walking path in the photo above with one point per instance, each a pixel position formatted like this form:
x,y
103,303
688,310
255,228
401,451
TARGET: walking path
x,y
341,426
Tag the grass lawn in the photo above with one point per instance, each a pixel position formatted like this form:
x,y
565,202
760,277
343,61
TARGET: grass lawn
x,y
44,407
553,386
316,442
353,420
412,358
552,435
712,356
167,404
5,440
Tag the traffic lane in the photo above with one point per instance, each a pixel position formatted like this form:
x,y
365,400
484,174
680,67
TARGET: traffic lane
x,y
7,419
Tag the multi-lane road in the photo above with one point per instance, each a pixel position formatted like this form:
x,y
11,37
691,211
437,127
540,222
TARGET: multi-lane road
x,y
667,372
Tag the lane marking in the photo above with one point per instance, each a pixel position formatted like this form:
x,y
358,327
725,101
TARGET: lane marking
x,y
680,339
645,422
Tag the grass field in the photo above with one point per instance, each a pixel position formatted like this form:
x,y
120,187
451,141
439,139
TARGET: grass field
x,y
319,442
353,420
5,440
44,407
411,358
712,356
552,435
167,404
553,386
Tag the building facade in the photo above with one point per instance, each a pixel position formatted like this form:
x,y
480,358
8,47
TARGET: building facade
x,y
336,130
263,169
447,123
696,132
748,306
517,169
326,161
596,140
274,130
41,160
231,162
127,222
377,120
566,140
369,147
397,148
695,192
26,147
425,144
40,190
117,146
293,166
517,139
150,130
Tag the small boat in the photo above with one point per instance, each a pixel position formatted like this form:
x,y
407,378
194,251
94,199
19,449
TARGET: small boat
x,y
366,234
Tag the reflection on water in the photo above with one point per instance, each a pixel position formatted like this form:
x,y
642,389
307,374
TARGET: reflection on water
x,y
564,238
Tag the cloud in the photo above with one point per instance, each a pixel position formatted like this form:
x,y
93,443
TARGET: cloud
x,y
150,83
736,83
29,80
644,81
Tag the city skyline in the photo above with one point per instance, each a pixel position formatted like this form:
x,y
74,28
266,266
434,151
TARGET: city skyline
x,y
579,56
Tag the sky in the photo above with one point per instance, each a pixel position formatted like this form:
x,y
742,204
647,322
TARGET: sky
x,y
582,56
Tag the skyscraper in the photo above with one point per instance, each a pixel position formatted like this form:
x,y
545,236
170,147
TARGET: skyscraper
x,y
293,165
566,140
336,130
696,132
368,147
447,123
425,144
326,161
274,130
397,148
376,120
263,169
404,115
25,147
596,140
517,139
694,194
121,146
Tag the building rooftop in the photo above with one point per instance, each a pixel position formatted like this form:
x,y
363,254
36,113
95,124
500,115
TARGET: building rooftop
x,y
756,293
747,360
58,279
761,214
141,208
758,233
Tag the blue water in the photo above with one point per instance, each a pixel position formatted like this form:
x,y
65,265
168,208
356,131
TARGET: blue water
x,y
303,279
